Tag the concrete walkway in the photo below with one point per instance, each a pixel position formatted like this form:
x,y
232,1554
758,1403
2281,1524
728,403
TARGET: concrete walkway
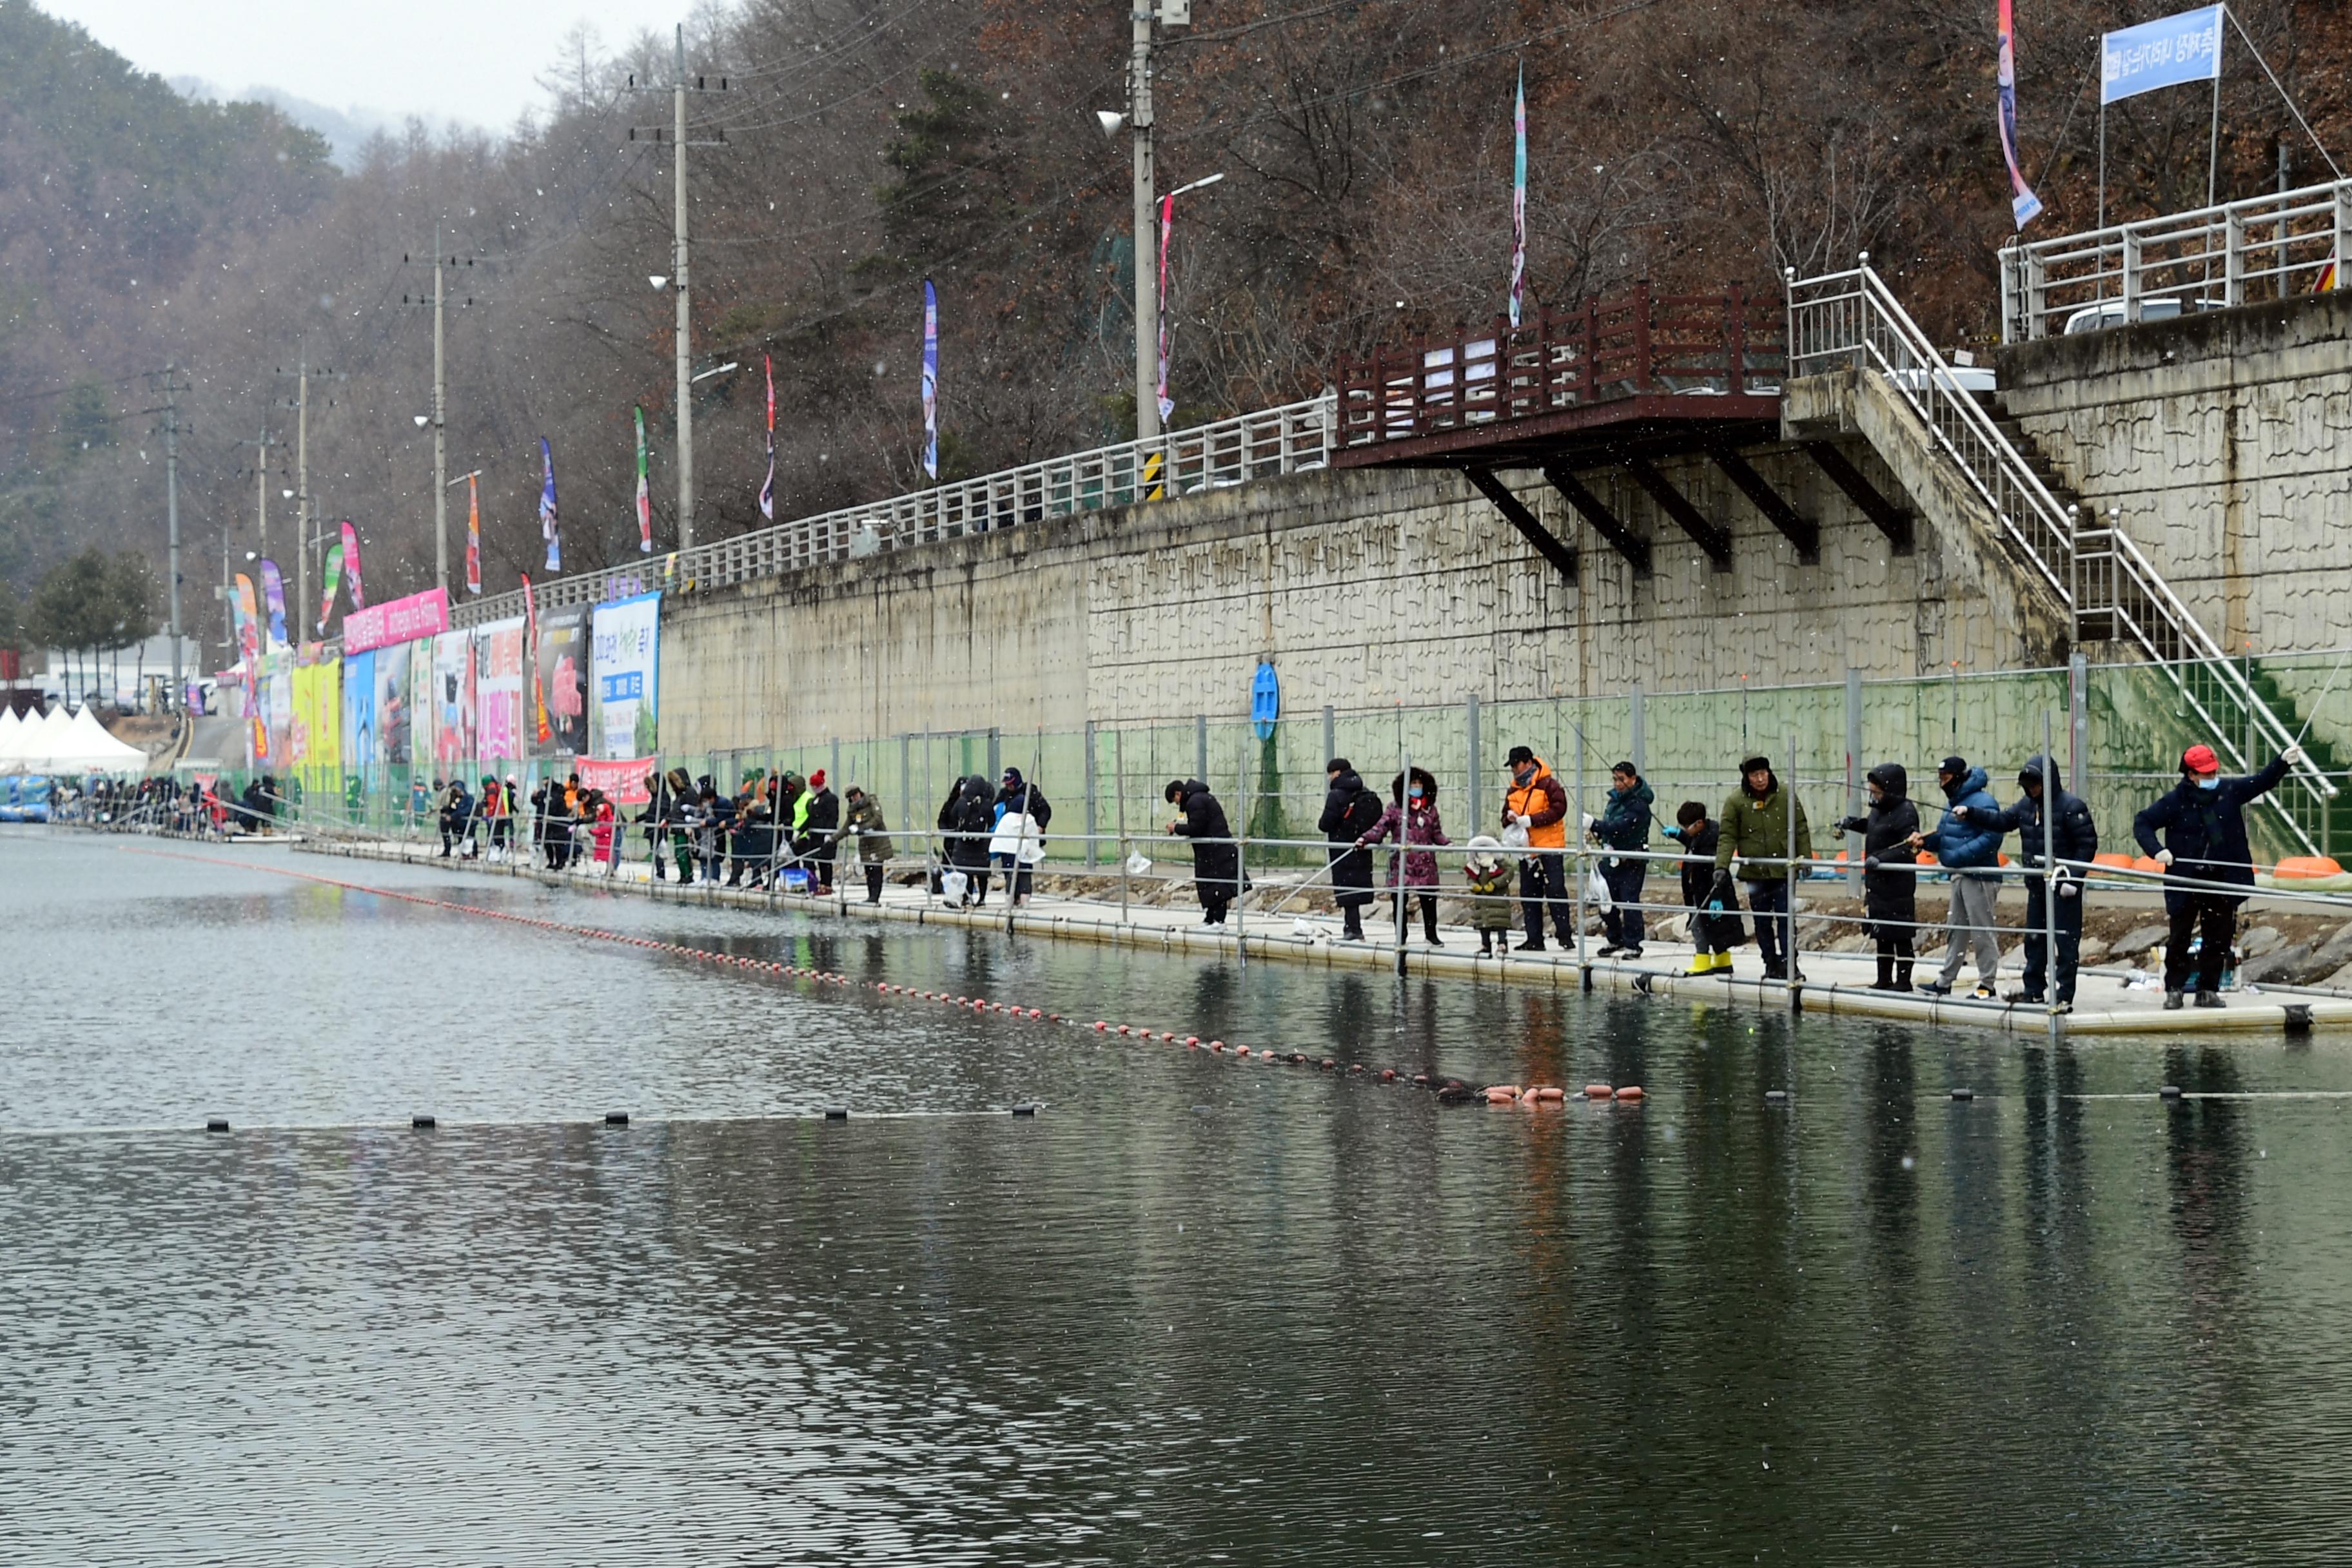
x,y
2108,1001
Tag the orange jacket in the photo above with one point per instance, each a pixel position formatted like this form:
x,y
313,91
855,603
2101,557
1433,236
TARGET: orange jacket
x,y
1544,803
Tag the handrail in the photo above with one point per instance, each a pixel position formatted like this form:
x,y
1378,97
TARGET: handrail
x,y
1292,438
2209,258
1840,317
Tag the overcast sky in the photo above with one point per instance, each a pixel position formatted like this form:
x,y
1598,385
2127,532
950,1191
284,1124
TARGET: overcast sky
x,y
468,60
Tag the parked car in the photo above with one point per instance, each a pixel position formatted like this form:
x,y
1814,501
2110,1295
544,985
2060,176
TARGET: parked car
x,y
2108,314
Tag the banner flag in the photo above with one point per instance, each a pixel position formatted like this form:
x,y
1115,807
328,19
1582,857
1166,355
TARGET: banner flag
x,y
352,566
273,594
644,493
622,780
2166,52
1519,194
549,529
768,485
930,381
1167,233
473,533
248,625
335,575
540,729
2023,205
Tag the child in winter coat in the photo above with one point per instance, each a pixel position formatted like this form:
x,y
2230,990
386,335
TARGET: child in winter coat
x,y
1715,930
1489,877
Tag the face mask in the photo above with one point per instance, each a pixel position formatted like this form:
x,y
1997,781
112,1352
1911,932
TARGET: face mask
x,y
1522,776
2212,781
1415,794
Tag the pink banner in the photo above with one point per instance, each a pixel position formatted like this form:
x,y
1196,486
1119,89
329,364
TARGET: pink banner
x,y
622,779
422,614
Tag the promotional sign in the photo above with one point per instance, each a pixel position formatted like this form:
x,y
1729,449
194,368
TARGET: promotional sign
x,y
334,575
2023,205
453,698
473,533
539,726
397,620
273,594
768,485
423,711
393,712
278,706
1519,195
562,677
622,779
625,661
351,567
248,626
1167,238
498,692
359,712
549,528
931,381
2167,52
645,491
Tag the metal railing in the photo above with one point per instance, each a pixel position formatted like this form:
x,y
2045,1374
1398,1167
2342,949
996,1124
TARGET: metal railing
x,y
2099,574
1599,351
1293,438
2264,248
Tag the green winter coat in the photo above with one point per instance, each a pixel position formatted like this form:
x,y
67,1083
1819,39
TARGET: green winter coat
x,y
1490,908
864,823
1756,829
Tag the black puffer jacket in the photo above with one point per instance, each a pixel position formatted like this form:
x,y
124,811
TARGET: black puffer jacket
x,y
970,811
2206,828
1349,811
1887,829
1215,866
2071,827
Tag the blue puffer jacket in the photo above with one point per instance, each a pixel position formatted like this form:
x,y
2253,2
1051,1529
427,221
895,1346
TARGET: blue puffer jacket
x,y
1972,844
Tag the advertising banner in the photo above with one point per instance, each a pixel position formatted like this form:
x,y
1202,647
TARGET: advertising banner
x,y
424,709
563,682
627,668
622,779
453,698
392,715
352,566
498,692
397,620
2166,52
277,707
359,713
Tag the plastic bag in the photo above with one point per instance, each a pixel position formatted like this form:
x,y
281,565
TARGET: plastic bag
x,y
1596,891
953,884
1138,864
1515,837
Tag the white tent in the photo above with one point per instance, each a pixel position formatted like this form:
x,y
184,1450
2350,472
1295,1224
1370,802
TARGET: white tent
x,y
22,750
9,726
86,747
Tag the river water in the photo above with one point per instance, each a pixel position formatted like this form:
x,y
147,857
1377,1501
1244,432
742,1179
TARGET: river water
x,y
1196,1309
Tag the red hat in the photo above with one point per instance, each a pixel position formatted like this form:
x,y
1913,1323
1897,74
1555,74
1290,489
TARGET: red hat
x,y
2201,760
816,779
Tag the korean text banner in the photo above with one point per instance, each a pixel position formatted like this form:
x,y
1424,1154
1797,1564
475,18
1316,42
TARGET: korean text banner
x,y
500,725
2166,52
563,678
397,620
627,668
621,779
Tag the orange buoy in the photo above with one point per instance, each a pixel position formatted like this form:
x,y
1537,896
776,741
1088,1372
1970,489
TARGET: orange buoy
x,y
1501,1094
1216,1044
1631,1091
1100,1025
1191,1039
1388,1075
1550,1093
1241,1050
1597,1091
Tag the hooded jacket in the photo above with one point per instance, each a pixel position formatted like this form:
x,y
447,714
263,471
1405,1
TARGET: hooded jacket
x,y
1887,829
1543,801
1216,867
1625,821
863,822
2069,828
1349,810
969,811
1754,828
2206,828
1971,843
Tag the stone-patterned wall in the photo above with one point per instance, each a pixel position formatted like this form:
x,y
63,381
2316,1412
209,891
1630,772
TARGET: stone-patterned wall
x,y
2224,442
1365,587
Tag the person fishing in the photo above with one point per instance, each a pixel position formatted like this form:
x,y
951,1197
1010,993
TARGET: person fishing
x,y
1753,844
1890,893
1349,811
2047,817
2206,856
1624,825
1967,842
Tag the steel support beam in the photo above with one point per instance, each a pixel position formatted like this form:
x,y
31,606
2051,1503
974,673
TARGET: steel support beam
x,y
1623,540
1890,520
1548,544
1797,529
1708,536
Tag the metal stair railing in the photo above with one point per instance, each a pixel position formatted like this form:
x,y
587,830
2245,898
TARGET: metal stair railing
x,y
1852,317
1292,438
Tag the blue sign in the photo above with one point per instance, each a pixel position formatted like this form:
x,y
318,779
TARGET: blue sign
x,y
2166,52
628,686
1265,700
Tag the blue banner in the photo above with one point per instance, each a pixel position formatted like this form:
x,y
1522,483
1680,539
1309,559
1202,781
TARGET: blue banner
x,y
2166,52
931,381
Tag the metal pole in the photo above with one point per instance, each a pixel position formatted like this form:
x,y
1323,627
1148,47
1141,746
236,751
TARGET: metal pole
x,y
2103,165
2213,140
261,503
1147,238
1200,747
1576,857
1092,809
301,494
2049,884
1404,829
1854,791
1470,768
1241,864
678,281
1640,755
1789,874
440,437
1118,805
1330,734
171,512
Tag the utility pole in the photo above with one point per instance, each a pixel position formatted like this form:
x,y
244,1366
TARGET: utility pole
x,y
261,485
677,280
171,512
305,524
439,423
1147,228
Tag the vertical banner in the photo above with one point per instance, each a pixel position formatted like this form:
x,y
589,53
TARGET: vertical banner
x,y
277,710
424,707
359,712
351,567
498,692
394,718
273,594
549,529
626,663
560,672
2023,205
1520,193
248,626
644,490
539,726
334,576
1167,233
473,533
930,381
768,485
453,698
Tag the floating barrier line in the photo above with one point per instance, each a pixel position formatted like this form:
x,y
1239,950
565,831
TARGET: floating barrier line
x,y
1452,1090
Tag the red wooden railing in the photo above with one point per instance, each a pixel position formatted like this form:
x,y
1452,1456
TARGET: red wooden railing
x,y
1602,351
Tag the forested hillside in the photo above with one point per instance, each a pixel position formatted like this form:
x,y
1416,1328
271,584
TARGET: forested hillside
x,y
869,144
